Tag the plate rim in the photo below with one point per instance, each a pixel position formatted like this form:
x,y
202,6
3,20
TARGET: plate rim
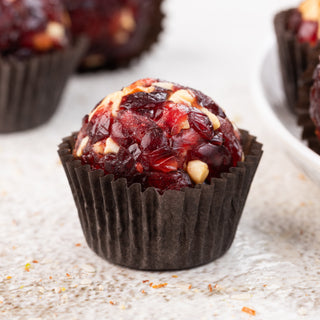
x,y
289,141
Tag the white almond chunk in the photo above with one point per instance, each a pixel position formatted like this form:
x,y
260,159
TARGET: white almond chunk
x,y
98,147
55,30
164,85
114,98
310,10
213,118
185,125
82,145
182,96
126,20
111,147
198,171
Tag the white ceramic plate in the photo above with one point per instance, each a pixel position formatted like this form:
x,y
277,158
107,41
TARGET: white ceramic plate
x,y
268,92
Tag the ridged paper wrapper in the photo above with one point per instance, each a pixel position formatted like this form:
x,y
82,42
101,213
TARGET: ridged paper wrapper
x,y
152,231
31,89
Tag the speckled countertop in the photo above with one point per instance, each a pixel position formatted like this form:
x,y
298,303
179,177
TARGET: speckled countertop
x,y
273,267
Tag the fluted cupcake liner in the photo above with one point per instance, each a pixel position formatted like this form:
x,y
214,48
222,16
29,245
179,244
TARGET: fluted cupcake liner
x,y
297,62
152,231
116,61
308,130
30,89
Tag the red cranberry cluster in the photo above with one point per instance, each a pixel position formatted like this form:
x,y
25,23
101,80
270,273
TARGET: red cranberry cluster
x,y
32,26
159,134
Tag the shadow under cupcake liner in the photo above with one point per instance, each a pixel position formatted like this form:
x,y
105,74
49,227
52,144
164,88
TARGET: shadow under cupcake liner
x,y
297,62
152,231
30,89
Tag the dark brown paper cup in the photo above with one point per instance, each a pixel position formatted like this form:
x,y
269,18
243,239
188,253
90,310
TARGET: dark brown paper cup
x,y
120,58
297,62
308,130
30,90
152,231
304,118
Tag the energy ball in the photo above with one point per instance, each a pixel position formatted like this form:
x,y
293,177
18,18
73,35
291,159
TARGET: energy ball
x,y
119,30
159,134
30,27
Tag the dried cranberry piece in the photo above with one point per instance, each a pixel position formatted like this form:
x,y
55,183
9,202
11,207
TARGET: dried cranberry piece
x,y
201,123
100,128
134,125
121,135
169,181
161,159
173,118
218,158
308,32
121,164
206,102
154,139
186,140
231,140
135,151
142,100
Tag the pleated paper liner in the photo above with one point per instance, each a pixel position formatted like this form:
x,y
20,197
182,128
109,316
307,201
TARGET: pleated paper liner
x,y
111,61
308,130
297,62
152,231
30,90
303,114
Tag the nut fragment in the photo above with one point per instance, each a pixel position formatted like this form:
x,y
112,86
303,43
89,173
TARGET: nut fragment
x,y
55,30
185,125
126,20
114,99
310,10
164,85
111,147
82,145
98,147
131,90
213,118
198,171
182,96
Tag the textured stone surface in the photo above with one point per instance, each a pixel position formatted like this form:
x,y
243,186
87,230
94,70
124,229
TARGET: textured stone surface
x,y
273,265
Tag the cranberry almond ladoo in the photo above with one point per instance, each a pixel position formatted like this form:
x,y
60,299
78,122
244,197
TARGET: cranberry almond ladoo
x,y
298,34
31,27
119,30
37,56
160,176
